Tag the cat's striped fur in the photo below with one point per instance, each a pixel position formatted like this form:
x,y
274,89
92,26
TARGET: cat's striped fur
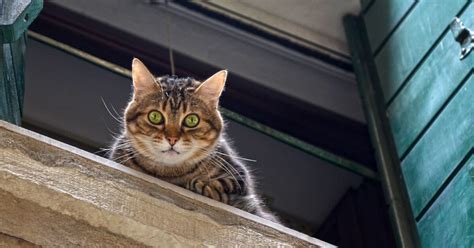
x,y
199,159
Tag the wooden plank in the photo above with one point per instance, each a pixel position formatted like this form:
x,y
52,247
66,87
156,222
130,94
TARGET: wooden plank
x,y
4,111
428,89
11,10
56,195
16,16
396,195
10,109
382,17
442,147
412,40
449,222
17,50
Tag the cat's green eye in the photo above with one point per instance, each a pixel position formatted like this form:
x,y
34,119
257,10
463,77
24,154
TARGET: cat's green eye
x,y
191,120
155,117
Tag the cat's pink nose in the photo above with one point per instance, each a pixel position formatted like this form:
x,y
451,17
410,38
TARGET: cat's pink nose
x,y
172,140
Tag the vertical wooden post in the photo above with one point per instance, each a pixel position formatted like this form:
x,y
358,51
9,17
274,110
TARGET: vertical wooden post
x,y
403,223
15,18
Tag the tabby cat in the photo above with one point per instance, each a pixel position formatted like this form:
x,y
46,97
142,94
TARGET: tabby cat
x,y
173,131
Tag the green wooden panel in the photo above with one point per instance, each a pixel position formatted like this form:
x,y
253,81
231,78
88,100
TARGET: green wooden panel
x,y
402,220
16,16
450,221
428,89
12,80
382,17
18,49
4,111
411,41
442,147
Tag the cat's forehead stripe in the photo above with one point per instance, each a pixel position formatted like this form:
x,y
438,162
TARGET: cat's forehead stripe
x,y
176,90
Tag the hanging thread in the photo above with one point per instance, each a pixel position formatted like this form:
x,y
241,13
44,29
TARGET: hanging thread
x,y
170,47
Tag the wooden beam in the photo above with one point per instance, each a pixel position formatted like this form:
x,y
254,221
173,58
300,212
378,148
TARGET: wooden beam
x,y
396,196
15,17
56,195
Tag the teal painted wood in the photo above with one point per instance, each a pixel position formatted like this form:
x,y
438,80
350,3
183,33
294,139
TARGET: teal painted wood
x,y
411,41
12,80
18,50
396,195
425,93
442,147
429,96
4,97
16,16
382,17
450,221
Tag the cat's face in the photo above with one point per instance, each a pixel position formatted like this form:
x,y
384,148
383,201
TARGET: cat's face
x,y
173,121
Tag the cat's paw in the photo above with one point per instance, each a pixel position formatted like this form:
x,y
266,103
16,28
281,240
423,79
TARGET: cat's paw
x,y
213,189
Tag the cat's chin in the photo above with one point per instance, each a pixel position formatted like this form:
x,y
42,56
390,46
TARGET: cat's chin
x,y
170,158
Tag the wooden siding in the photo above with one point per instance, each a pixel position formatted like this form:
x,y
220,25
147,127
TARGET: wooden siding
x,y
12,80
382,18
428,93
441,148
412,40
449,222
15,17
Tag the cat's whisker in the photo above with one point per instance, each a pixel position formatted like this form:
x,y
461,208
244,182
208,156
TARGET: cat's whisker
x,y
232,156
220,165
101,150
112,133
130,156
127,154
228,166
107,150
118,119
226,170
236,157
231,167
117,114
123,145
122,157
226,163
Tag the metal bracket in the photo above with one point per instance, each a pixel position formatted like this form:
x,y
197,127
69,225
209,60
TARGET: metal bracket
x,y
464,36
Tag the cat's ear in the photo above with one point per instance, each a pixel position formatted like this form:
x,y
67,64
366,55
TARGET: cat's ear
x,y
212,88
143,80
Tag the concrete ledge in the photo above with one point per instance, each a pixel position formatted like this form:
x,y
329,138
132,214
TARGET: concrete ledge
x,y
8,241
53,194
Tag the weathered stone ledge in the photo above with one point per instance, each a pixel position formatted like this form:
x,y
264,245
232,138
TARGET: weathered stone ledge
x,y
55,195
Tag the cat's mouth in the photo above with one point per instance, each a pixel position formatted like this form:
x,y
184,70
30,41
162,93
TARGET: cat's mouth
x,y
171,151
